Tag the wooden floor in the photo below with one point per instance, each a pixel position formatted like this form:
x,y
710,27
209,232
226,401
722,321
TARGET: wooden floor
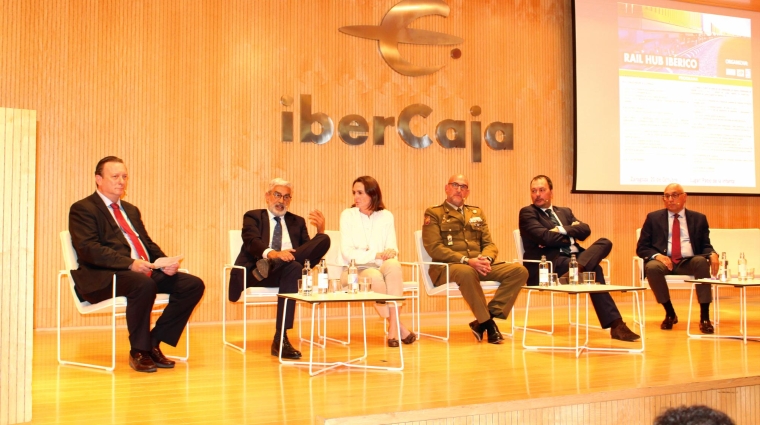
x,y
457,379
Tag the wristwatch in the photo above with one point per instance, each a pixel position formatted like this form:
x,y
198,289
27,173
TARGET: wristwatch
x,y
464,260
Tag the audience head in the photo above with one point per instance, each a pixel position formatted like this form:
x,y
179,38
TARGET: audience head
x,y
367,195
278,196
541,191
111,178
457,190
674,197
693,415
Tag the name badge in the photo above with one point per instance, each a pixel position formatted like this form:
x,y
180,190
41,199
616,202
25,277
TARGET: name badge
x,y
450,240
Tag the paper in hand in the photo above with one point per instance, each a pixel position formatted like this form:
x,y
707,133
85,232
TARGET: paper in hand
x,y
167,261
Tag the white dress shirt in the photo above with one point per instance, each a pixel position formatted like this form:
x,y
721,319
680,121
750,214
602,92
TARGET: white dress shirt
x,y
286,242
362,236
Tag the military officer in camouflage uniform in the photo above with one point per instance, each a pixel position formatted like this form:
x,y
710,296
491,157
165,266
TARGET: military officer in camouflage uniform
x,y
458,234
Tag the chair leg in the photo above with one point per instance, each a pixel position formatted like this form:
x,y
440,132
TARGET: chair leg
x,y
61,361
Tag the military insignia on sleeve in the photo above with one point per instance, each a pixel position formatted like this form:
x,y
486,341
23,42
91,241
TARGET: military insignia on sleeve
x,y
427,220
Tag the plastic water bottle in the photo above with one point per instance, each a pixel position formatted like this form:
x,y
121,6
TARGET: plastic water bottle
x,y
306,278
353,277
723,270
742,267
543,272
322,281
572,273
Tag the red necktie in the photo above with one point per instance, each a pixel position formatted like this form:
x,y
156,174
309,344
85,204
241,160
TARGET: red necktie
x,y
675,249
132,236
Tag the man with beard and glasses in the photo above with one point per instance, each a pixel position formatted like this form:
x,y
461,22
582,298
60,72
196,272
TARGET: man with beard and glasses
x,y
276,244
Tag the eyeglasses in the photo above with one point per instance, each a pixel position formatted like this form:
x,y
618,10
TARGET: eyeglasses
x,y
671,196
278,196
456,185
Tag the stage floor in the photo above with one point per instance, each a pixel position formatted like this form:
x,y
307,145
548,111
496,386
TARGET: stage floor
x,y
221,385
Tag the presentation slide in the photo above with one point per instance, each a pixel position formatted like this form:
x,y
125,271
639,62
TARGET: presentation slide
x,y
664,93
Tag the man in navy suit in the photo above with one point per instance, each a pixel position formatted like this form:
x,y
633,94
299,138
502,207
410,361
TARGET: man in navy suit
x,y
110,239
689,257
276,243
554,231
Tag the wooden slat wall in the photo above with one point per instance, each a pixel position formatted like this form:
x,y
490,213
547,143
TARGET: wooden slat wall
x,y
187,92
18,142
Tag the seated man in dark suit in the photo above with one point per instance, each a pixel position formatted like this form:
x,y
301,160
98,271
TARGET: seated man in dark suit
x,y
688,257
554,231
110,239
276,244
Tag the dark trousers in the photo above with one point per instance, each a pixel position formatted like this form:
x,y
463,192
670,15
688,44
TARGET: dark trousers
x,y
699,267
286,275
185,292
606,309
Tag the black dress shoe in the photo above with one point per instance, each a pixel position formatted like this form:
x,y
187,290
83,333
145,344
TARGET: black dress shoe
x,y
477,330
288,352
668,323
494,336
159,359
706,327
622,333
264,267
142,362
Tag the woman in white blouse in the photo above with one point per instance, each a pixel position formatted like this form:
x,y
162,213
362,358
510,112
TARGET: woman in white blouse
x,y
368,236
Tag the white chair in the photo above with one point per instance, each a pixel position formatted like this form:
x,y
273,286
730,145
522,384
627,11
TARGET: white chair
x,y
114,307
449,290
255,295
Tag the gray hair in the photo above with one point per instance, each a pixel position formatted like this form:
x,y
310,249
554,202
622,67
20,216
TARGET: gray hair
x,y
277,181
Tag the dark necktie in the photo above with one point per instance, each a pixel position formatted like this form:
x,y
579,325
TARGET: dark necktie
x,y
277,235
548,211
132,235
675,250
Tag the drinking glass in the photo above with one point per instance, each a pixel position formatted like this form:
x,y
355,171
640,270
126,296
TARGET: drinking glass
x,y
365,284
335,286
589,278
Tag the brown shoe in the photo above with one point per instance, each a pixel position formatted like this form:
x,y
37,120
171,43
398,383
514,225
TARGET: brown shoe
x,y
141,362
159,359
392,342
622,333
706,327
409,338
668,323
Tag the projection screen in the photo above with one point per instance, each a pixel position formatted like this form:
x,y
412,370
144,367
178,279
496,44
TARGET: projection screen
x,y
664,92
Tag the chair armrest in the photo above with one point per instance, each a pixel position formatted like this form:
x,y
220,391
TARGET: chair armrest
x,y
415,270
551,265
